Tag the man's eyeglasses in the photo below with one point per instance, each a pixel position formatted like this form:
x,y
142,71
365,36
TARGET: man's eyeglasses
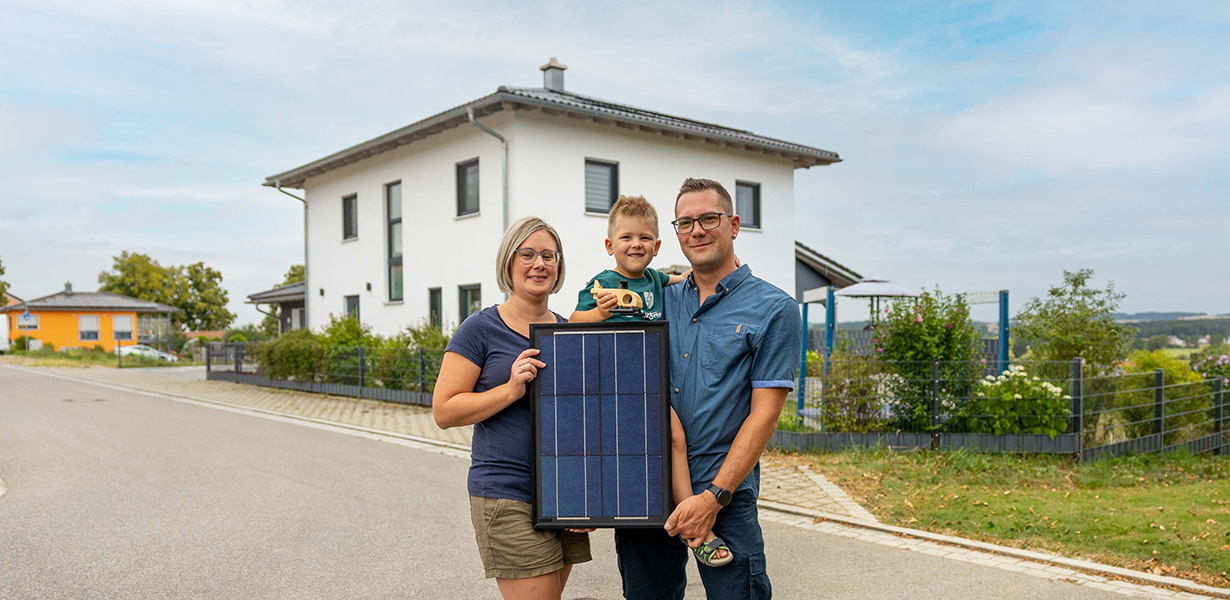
x,y
527,256
707,221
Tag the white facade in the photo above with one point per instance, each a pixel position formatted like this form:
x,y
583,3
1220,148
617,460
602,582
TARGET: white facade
x,y
546,179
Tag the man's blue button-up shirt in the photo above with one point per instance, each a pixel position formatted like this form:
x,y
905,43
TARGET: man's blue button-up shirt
x,y
747,335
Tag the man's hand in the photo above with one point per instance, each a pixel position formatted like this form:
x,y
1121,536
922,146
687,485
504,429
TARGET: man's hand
x,y
694,518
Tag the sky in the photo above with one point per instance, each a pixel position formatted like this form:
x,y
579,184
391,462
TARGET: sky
x,y
985,145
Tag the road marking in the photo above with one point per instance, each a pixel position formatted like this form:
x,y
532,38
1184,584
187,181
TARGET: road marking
x,y
408,441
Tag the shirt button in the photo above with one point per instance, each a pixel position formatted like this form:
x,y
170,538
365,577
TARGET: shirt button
x,y
685,354
676,390
693,319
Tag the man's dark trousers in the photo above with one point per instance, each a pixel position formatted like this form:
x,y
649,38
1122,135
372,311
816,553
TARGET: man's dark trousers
x,y
652,564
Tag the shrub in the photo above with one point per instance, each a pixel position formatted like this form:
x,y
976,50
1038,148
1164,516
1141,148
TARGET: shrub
x,y
396,365
297,354
1213,362
855,393
916,333
1014,402
1129,411
1076,321
237,338
22,342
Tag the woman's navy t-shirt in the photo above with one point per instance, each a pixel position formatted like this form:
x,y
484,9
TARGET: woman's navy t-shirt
x,y
501,450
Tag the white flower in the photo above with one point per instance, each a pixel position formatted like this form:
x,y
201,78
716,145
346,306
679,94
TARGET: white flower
x,y
1067,397
1036,378
990,378
1017,396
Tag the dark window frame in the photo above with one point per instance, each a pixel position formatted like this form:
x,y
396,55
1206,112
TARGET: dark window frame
x,y
97,332
115,332
391,259
350,217
435,306
462,188
614,193
463,296
346,306
756,221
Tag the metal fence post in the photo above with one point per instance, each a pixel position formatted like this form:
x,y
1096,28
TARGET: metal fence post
x,y
238,358
1076,424
208,356
1218,414
935,395
362,366
422,388
1159,401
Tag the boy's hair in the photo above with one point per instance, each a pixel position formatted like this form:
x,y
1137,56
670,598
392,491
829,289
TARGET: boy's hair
x,y
631,206
699,185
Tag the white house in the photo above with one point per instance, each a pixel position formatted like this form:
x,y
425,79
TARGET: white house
x,y
406,225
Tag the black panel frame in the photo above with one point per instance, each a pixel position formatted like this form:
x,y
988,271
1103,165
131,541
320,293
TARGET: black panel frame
x,y
538,331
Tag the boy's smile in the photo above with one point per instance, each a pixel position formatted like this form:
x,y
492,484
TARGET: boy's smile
x,y
633,242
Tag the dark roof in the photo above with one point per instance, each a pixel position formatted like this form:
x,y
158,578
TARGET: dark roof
x,y
839,274
100,301
561,103
290,292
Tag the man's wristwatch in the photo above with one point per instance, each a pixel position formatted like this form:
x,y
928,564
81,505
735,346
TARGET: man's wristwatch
x,y
723,495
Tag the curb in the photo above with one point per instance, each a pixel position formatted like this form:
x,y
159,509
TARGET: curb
x,y
1041,557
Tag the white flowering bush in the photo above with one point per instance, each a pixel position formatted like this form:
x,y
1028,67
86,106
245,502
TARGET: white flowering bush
x,y
1014,402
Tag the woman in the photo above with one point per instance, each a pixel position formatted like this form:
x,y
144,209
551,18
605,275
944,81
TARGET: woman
x,y
483,381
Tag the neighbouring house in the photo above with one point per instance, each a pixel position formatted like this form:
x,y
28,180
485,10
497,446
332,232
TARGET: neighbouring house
x,y
1174,340
71,319
290,303
404,227
6,323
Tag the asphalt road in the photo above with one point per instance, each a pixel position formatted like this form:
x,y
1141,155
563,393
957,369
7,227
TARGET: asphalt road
x,y
115,494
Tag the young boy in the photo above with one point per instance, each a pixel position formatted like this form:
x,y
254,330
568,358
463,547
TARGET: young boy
x,y
632,238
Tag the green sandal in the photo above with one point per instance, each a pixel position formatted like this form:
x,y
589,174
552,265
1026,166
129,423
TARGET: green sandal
x,y
706,553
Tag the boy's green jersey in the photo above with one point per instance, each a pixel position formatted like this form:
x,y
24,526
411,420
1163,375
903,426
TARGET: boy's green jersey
x,y
649,286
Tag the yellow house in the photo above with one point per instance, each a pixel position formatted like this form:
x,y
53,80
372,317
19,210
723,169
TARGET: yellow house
x,y
71,319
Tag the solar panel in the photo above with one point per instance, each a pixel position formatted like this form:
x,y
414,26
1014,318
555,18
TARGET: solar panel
x,y
601,425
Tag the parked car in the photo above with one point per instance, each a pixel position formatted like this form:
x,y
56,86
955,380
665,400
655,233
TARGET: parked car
x,y
147,352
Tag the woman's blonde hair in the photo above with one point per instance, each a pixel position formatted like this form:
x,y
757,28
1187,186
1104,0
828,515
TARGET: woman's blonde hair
x,y
516,235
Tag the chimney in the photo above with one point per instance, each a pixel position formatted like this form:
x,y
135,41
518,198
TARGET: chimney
x,y
68,287
553,75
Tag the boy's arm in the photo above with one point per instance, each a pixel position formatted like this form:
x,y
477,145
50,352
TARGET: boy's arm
x,y
597,314
673,279
681,478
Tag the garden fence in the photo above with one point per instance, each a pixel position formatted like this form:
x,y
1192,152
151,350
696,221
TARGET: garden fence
x,y
1030,407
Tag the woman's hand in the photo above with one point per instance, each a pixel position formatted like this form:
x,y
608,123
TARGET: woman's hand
x,y
524,370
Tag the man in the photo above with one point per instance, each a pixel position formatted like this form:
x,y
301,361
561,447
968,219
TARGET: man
x,y
735,342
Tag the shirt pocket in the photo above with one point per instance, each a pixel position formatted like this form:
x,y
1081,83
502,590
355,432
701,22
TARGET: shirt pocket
x,y
726,347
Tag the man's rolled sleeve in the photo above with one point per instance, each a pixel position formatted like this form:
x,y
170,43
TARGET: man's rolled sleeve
x,y
775,356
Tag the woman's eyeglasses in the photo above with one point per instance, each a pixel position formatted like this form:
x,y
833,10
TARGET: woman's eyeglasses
x,y
527,256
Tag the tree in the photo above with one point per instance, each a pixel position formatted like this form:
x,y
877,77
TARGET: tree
x,y
200,298
1076,320
196,289
4,287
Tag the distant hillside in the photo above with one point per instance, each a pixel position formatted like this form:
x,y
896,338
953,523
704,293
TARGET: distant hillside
x,y
1188,330
1153,316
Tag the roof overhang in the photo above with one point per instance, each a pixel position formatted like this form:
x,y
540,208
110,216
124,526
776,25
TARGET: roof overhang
x,y
506,99
837,273
294,292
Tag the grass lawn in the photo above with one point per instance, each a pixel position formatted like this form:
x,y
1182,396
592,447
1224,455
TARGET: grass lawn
x,y
1167,515
1180,353
86,358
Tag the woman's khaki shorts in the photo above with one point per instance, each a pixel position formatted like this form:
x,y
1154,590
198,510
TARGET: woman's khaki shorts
x,y
512,549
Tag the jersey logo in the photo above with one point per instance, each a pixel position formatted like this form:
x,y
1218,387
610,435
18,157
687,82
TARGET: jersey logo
x,y
648,298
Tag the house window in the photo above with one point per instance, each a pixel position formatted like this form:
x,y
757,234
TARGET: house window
x,y
121,327
601,186
747,204
350,217
296,318
27,323
352,307
392,200
87,328
471,297
435,302
467,188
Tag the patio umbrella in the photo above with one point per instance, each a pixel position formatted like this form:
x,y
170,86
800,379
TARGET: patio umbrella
x,y
874,288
